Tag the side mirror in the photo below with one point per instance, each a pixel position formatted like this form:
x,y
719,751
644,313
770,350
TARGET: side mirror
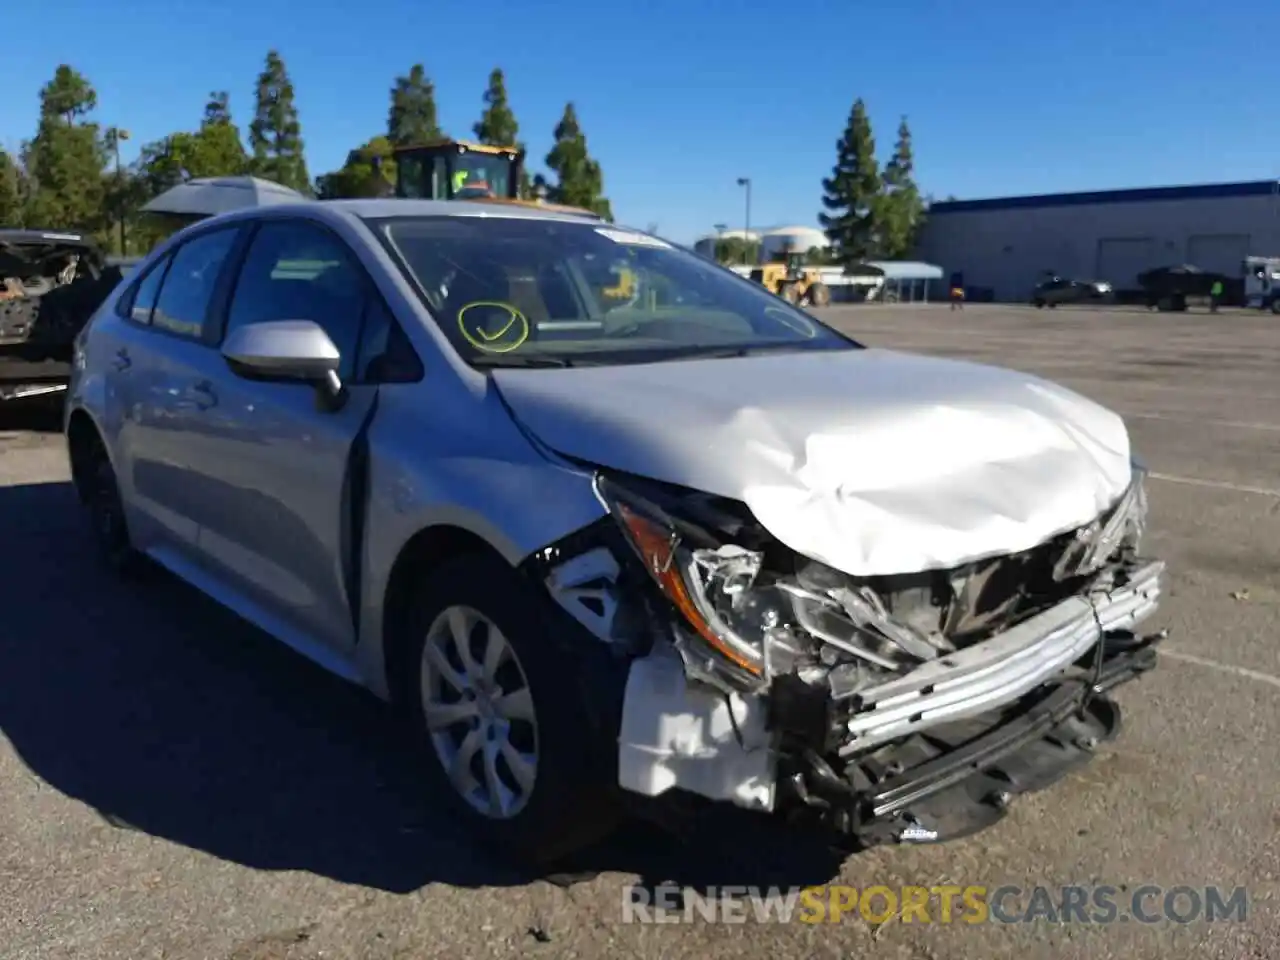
x,y
287,350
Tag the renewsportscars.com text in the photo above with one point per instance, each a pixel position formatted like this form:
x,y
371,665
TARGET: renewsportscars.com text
x,y
944,904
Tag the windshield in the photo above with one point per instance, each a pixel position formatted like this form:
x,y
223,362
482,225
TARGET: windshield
x,y
480,175
530,292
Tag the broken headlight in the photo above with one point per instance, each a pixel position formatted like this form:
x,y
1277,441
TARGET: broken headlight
x,y
716,587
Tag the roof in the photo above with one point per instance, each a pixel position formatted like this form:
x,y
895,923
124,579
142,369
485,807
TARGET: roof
x,y
400,207
1203,191
470,145
791,231
243,183
907,269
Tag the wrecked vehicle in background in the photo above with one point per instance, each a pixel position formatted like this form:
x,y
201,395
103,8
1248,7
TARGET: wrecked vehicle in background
x,y
50,284
693,544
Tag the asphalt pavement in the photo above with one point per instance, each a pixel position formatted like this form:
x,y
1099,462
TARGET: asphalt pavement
x,y
175,785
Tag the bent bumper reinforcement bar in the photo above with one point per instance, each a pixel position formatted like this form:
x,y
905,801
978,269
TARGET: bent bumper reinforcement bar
x,y
968,786
987,675
897,794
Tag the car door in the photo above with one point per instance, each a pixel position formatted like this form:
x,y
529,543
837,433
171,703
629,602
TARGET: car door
x,y
277,530
163,338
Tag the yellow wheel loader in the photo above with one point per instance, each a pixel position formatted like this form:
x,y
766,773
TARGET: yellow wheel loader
x,y
786,276
461,170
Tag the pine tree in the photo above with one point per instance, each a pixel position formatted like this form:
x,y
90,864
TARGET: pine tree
x,y
579,180
275,136
497,126
67,158
68,95
850,193
412,117
221,152
901,209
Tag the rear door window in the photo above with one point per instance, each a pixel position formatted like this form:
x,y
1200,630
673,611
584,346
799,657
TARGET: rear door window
x,y
187,292
143,300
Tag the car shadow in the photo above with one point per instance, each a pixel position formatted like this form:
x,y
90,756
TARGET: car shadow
x,y
31,414
168,715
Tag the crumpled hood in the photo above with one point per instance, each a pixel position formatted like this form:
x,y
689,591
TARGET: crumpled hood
x,y
872,461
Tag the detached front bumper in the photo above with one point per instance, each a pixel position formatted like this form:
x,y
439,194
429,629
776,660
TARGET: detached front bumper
x,y
1004,716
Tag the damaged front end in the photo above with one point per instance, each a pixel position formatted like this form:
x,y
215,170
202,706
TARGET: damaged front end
x,y
50,285
896,708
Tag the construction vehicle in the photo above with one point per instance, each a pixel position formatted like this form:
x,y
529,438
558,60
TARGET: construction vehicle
x,y
462,170
625,289
785,275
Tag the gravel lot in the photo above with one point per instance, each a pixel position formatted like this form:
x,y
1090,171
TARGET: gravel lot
x,y
173,784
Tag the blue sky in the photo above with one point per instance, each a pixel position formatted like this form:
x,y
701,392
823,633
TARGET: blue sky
x,y
679,99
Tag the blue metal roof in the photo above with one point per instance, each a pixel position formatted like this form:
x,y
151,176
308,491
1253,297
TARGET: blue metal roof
x,y
1203,191
907,269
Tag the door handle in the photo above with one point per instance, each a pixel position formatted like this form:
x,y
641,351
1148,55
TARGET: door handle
x,y
203,396
122,361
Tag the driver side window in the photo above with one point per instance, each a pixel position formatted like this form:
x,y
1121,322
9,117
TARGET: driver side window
x,y
295,270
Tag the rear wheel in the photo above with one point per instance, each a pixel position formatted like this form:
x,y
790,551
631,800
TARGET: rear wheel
x,y
106,512
492,703
788,293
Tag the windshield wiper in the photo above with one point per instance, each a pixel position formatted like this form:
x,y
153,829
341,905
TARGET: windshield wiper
x,y
507,360
720,353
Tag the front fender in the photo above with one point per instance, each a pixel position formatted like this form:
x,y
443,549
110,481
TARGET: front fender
x,y
475,471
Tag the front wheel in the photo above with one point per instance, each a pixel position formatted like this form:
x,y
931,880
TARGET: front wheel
x,y
819,294
492,701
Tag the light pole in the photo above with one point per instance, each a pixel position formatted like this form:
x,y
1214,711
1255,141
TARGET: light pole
x,y
746,231
719,228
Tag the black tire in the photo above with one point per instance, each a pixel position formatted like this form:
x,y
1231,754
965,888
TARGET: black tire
x,y
1275,305
1038,304
819,295
106,514
574,801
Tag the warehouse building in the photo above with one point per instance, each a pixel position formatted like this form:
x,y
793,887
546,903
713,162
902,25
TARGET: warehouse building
x,y
1005,246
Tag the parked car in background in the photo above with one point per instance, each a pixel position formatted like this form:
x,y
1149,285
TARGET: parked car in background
x,y
50,284
689,543
1054,291
1171,288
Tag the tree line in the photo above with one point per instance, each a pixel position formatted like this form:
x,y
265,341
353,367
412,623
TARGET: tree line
x,y
68,177
871,212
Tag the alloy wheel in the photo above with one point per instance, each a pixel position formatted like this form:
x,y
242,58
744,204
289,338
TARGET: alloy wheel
x,y
479,712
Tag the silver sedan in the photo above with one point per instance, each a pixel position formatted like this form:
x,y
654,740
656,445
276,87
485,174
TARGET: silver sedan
x,y
603,520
